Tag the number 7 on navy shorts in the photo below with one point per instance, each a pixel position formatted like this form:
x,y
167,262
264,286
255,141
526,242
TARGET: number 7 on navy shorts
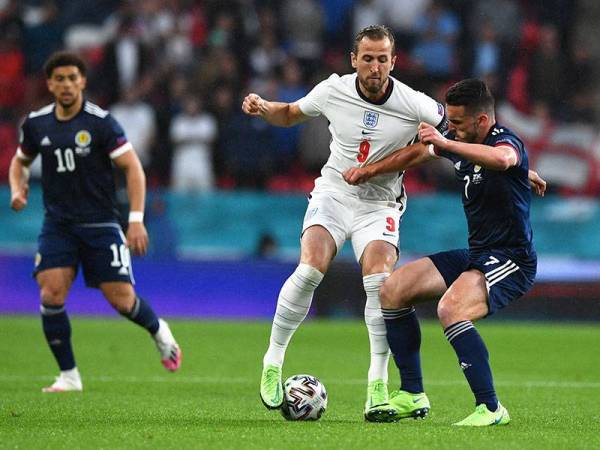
x,y
509,273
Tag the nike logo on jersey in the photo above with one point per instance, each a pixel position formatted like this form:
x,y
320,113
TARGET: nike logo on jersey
x,y
46,141
389,234
366,132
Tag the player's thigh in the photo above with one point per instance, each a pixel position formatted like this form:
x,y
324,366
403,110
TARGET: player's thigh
x,y
509,274
54,284
104,254
465,299
57,247
415,282
119,294
374,223
327,221
378,257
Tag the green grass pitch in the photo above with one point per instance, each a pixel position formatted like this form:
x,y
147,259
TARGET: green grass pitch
x,y
547,374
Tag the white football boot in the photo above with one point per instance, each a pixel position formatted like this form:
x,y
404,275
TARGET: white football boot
x,y
67,381
170,352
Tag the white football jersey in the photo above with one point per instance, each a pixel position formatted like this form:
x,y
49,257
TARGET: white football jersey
x,y
364,132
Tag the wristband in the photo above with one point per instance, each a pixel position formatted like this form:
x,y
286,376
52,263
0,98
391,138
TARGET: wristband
x,y
136,216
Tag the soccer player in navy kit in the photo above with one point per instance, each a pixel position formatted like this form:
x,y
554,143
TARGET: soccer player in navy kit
x,y
499,266
78,143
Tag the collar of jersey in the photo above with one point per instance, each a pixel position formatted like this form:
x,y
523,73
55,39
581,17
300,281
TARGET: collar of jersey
x,y
382,100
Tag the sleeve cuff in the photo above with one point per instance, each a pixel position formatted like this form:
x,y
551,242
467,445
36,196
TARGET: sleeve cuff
x,y
120,150
22,156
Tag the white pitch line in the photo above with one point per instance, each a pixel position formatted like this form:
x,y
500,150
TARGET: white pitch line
x,y
252,381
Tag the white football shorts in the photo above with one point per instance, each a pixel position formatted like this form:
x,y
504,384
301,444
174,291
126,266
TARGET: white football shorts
x,y
361,221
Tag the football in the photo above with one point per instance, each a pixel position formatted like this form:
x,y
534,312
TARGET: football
x,y
304,398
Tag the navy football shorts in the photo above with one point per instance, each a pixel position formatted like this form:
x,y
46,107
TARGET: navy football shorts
x,y
509,273
99,248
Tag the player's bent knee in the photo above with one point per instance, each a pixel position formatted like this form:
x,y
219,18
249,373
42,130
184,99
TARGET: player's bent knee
x,y
121,297
389,296
52,295
448,312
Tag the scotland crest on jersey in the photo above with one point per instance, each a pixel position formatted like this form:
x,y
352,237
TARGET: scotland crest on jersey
x,y
370,119
83,140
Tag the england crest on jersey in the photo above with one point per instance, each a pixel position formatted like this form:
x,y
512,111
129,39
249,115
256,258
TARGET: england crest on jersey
x,y
370,119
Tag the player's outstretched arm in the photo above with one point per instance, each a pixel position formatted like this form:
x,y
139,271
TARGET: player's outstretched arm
x,y
276,113
402,159
494,158
18,177
137,237
538,184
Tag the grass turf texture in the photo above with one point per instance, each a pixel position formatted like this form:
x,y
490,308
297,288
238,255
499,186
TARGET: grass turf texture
x,y
548,376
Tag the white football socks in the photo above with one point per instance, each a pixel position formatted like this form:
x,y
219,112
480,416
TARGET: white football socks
x,y
380,351
293,304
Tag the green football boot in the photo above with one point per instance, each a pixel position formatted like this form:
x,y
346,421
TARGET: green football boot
x,y
483,417
401,405
271,389
376,407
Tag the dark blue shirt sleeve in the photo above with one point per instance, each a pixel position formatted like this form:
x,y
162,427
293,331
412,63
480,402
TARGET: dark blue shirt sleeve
x,y
114,135
507,139
27,141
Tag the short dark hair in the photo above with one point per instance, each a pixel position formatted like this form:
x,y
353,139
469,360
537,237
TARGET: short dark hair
x,y
473,94
375,33
61,59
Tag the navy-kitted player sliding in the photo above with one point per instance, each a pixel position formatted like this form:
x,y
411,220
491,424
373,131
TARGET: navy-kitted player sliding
x,y
78,143
499,266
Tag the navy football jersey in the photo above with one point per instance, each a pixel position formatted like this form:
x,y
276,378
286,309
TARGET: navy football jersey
x,y
496,203
77,174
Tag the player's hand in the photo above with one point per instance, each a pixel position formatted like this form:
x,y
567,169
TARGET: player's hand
x,y
253,105
137,238
538,184
357,175
18,199
428,134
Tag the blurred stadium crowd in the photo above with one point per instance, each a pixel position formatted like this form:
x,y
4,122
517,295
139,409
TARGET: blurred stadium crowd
x,y
173,72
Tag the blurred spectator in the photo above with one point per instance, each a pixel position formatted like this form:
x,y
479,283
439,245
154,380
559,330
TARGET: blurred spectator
x,y
435,49
290,90
12,75
248,150
43,34
126,59
546,71
139,122
267,55
313,144
304,27
193,133
363,14
487,52
403,16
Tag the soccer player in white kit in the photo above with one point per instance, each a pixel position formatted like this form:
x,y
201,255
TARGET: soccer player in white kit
x,y
371,114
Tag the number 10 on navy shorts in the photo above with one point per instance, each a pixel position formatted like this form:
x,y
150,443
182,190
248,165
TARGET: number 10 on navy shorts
x,y
99,248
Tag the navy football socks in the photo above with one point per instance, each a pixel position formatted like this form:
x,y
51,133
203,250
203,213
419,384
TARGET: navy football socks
x,y
143,314
404,339
57,330
473,358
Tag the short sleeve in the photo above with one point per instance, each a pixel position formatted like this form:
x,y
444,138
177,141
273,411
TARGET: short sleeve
x,y
116,142
430,111
508,140
313,104
27,149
